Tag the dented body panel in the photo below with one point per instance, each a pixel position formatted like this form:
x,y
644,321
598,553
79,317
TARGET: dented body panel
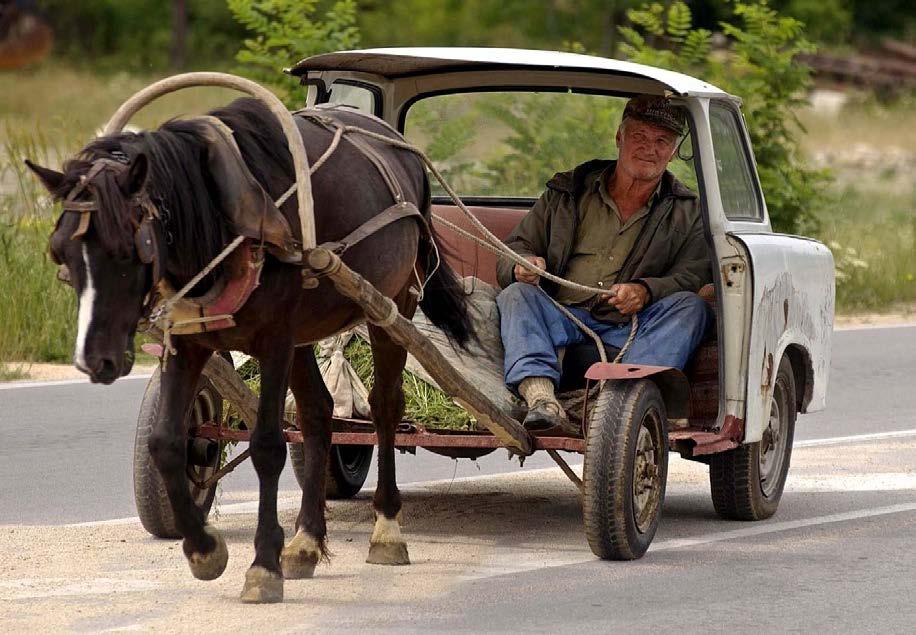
x,y
793,304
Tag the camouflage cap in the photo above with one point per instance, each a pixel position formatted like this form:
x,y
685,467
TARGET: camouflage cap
x,y
658,111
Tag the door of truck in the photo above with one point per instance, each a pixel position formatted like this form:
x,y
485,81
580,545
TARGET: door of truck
x,y
777,289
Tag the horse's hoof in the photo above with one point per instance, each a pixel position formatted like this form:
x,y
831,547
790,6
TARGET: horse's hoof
x,y
299,558
394,553
209,566
262,586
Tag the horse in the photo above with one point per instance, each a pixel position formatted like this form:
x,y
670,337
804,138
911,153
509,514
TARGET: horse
x,y
154,207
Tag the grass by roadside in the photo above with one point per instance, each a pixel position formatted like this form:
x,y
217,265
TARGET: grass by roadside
x,y
47,116
872,234
870,222
38,313
12,372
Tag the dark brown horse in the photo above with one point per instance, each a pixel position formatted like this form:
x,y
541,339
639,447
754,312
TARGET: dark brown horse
x,y
171,191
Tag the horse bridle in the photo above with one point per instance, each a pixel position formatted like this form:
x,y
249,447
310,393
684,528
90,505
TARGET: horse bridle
x,y
146,242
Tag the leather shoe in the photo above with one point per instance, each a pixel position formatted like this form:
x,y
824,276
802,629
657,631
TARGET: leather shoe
x,y
544,415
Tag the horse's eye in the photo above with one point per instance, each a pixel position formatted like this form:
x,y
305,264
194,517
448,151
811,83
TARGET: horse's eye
x,y
63,274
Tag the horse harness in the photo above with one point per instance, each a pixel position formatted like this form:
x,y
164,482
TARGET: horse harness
x,y
145,240
170,310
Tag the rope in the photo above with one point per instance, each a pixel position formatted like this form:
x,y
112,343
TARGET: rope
x,y
503,250
492,242
171,302
563,309
314,167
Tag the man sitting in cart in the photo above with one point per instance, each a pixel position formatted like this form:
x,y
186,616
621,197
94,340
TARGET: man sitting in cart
x,y
628,226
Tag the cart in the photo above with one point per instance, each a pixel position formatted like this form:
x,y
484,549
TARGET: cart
x,y
735,406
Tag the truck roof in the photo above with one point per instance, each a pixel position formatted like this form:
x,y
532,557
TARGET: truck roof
x,y
393,63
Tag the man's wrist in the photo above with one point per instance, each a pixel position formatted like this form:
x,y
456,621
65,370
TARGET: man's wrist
x,y
645,286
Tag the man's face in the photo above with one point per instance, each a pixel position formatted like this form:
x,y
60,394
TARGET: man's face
x,y
644,149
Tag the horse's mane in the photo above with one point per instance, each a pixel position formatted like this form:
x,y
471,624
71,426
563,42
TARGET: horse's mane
x,y
179,182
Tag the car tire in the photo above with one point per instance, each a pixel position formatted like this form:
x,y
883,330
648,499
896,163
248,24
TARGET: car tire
x,y
153,506
626,466
747,483
348,468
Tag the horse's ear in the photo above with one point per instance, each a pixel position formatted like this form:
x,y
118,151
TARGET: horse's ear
x,y
49,178
134,179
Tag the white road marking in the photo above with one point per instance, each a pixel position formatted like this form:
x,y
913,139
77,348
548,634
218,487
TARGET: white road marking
x,y
810,443
870,482
512,561
771,527
292,503
838,483
84,317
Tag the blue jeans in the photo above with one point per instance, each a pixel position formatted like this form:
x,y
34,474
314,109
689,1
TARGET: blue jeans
x,y
532,330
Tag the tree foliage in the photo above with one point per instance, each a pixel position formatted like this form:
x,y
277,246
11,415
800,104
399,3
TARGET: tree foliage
x,y
137,35
761,68
288,30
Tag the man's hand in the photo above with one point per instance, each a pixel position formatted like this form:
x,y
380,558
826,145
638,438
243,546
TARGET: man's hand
x,y
523,275
628,298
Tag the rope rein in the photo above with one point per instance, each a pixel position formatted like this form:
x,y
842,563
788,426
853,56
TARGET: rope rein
x,y
489,241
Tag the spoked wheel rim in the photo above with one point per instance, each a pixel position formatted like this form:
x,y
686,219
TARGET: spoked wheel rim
x,y
203,410
772,453
646,480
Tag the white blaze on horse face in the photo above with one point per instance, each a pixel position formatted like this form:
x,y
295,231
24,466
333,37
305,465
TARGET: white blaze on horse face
x,y
86,306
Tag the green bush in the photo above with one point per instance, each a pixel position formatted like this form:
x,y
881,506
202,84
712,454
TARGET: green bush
x,y
761,68
286,31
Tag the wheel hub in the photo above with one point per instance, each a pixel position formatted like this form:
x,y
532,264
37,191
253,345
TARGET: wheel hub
x,y
772,446
645,480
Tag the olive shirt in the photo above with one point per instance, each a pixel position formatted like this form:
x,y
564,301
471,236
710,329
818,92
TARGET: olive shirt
x,y
603,240
669,255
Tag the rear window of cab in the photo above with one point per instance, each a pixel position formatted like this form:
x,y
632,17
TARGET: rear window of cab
x,y
508,144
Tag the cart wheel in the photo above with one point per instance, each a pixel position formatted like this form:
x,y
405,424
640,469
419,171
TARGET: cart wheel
x,y
626,466
153,505
747,482
348,467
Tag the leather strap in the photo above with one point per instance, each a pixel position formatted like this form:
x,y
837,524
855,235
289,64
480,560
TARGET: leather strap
x,y
390,215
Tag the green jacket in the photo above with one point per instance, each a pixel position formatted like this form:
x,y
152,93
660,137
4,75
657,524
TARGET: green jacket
x,y
670,253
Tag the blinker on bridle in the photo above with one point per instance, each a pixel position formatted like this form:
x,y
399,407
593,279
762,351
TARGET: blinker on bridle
x,y
145,241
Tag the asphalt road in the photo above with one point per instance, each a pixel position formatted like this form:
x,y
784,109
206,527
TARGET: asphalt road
x,y
66,450
501,553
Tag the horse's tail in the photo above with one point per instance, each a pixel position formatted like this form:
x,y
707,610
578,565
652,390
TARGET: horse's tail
x,y
445,301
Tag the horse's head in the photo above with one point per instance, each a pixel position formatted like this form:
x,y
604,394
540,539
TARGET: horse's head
x,y
108,244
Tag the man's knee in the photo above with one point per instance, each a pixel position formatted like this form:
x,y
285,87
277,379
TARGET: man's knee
x,y
517,293
688,301
690,308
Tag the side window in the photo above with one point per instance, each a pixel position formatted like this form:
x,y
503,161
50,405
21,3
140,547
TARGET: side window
x,y
736,181
354,96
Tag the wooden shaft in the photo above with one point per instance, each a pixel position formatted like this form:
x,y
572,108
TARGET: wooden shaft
x,y
293,138
378,308
231,387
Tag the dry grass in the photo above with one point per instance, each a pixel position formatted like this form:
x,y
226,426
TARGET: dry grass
x,y
870,222
76,103
861,120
